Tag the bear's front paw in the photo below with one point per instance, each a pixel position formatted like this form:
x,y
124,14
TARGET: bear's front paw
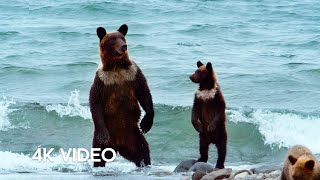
x,y
146,124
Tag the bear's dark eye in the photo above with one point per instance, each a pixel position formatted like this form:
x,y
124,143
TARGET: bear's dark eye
x,y
123,39
109,44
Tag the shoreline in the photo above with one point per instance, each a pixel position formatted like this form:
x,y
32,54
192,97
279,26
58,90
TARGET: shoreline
x,y
40,176
263,171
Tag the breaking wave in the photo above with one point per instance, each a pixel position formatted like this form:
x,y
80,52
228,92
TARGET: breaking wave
x,y
282,129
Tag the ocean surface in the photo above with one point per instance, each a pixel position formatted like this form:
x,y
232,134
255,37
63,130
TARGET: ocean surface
x,y
265,54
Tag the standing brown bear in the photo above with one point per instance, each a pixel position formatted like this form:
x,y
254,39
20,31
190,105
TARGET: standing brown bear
x,y
118,89
208,113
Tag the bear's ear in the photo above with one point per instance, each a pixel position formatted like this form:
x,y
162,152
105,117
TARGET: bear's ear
x,y
101,32
209,66
123,29
309,164
292,160
199,63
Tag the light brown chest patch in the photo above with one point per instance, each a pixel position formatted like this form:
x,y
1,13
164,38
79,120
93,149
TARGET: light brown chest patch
x,y
118,76
206,94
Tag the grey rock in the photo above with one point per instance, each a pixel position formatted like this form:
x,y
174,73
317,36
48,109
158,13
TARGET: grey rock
x,y
266,176
219,174
185,178
266,169
185,165
198,175
276,173
242,174
202,167
160,173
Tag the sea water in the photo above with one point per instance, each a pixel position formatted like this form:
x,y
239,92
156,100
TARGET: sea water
x,y
265,54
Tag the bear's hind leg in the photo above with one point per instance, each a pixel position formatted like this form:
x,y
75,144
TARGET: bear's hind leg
x,y
136,150
108,155
222,151
204,148
145,151
102,163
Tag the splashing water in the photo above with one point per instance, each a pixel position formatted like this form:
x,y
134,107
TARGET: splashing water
x,y
4,112
72,109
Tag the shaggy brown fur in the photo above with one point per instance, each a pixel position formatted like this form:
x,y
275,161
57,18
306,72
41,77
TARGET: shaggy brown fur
x,y
300,164
118,89
208,113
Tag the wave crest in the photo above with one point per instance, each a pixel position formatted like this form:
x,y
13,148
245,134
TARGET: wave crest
x,y
282,129
4,112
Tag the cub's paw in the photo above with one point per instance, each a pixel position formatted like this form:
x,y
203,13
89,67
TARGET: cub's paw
x,y
202,160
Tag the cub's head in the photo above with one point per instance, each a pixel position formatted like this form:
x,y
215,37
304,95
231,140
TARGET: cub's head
x,y
302,168
113,47
204,74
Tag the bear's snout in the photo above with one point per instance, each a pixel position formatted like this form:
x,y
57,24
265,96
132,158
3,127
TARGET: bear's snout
x,y
192,78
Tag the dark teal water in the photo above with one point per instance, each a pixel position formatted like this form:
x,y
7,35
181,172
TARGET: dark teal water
x,y
265,54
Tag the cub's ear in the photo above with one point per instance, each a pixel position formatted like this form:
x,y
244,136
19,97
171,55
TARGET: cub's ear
x,y
199,63
209,66
123,29
309,164
292,160
101,32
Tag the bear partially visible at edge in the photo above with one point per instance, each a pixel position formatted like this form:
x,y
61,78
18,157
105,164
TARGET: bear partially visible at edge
x,y
300,164
119,87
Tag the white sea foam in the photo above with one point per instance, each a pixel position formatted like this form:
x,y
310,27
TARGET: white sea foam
x,y
72,109
283,129
4,112
15,163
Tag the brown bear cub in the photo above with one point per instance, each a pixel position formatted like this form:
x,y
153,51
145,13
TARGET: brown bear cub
x,y
208,113
118,89
300,164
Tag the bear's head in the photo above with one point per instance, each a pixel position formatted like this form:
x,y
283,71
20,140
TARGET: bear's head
x,y
204,75
113,48
302,168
